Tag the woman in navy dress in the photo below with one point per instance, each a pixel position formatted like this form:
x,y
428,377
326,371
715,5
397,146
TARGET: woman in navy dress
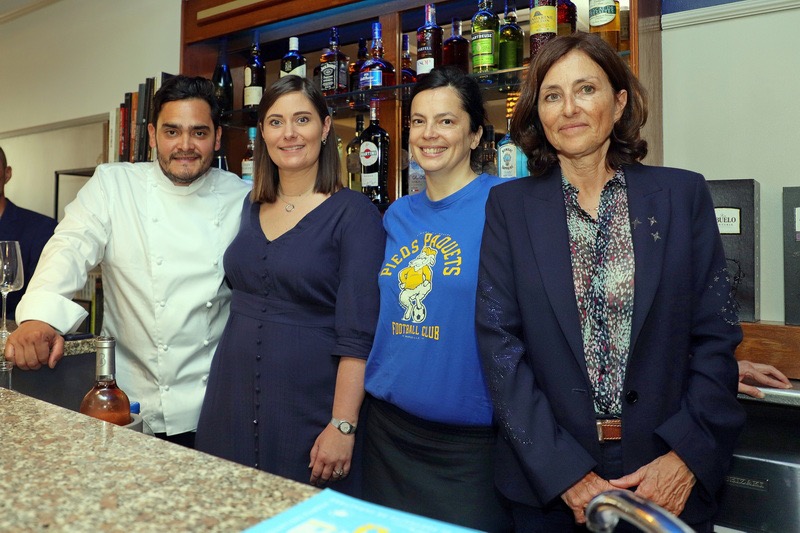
x,y
287,381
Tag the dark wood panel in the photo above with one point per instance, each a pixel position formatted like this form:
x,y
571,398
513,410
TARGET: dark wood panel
x,y
772,343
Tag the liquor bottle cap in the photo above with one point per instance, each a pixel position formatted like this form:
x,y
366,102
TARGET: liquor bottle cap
x,y
252,132
294,43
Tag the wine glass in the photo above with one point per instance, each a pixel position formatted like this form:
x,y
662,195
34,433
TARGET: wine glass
x,y
11,276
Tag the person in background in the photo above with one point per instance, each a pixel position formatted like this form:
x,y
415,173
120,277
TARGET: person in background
x,y
604,316
28,227
429,434
159,230
287,381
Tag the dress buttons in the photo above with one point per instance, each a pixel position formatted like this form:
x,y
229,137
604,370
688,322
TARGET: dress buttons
x,y
209,305
258,342
632,397
205,379
216,262
258,375
255,422
166,388
162,303
258,358
206,343
165,347
260,325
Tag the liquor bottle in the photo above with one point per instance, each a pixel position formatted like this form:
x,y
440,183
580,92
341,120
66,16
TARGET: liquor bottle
x,y
374,155
105,400
512,162
408,76
293,62
511,51
376,71
354,71
354,68
604,20
247,159
485,44
404,153
223,82
567,17
255,76
429,42
488,151
455,50
333,67
353,157
544,23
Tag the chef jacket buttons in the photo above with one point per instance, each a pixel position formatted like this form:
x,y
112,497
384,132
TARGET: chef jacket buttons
x,y
159,261
632,397
209,305
205,342
205,379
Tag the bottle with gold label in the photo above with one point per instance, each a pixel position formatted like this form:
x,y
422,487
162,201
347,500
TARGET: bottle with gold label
x,y
543,23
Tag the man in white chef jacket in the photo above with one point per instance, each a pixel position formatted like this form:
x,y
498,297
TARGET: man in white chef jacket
x,y
159,230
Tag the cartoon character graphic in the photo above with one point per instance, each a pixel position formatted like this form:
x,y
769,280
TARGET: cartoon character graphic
x,y
416,281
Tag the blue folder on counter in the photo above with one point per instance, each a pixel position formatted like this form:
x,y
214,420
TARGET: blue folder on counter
x,y
333,512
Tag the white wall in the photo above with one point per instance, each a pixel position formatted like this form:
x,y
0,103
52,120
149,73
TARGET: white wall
x,y
732,110
68,65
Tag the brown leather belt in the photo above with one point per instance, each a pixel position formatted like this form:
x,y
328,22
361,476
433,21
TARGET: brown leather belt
x,y
609,429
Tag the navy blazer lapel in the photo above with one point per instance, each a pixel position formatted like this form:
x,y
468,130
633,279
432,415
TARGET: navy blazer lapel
x,y
546,218
649,209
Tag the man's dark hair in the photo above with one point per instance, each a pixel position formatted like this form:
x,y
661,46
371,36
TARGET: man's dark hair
x,y
185,88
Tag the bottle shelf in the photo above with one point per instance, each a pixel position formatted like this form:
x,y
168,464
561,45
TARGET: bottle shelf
x,y
495,85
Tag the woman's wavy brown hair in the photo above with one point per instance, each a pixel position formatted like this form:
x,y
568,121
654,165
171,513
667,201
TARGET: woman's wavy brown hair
x,y
526,127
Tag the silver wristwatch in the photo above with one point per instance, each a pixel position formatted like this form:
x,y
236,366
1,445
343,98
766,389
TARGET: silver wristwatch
x,y
343,425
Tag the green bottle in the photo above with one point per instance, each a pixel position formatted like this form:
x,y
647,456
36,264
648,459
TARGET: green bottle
x,y
511,52
485,42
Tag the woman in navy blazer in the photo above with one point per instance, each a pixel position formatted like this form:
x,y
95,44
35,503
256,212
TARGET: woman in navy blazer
x,y
604,316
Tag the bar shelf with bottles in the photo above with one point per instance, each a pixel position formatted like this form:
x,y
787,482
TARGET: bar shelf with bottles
x,y
353,19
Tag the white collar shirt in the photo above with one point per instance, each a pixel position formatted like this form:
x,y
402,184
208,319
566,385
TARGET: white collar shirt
x,y
160,247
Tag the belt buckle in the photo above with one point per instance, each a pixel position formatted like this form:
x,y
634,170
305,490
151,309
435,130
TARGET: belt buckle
x,y
602,423
599,424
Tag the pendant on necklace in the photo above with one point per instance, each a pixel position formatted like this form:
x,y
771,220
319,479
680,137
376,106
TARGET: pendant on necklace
x,y
289,207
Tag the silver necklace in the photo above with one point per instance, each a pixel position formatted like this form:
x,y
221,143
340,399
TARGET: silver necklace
x,y
290,206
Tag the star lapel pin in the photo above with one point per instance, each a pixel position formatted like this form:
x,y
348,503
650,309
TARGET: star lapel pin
x,y
655,236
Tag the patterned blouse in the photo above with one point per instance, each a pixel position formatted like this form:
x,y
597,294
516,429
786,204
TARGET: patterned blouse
x,y
602,270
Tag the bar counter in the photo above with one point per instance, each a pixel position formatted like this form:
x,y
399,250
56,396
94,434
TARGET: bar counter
x,y
63,471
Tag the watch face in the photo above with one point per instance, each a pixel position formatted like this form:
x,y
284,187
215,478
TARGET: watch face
x,y
345,427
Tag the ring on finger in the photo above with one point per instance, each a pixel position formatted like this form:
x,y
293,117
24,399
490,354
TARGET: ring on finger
x,y
338,473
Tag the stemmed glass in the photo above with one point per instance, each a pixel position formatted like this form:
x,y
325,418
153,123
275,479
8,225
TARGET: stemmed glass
x,y
11,276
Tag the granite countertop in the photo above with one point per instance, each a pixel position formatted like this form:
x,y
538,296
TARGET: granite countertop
x,y
63,471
